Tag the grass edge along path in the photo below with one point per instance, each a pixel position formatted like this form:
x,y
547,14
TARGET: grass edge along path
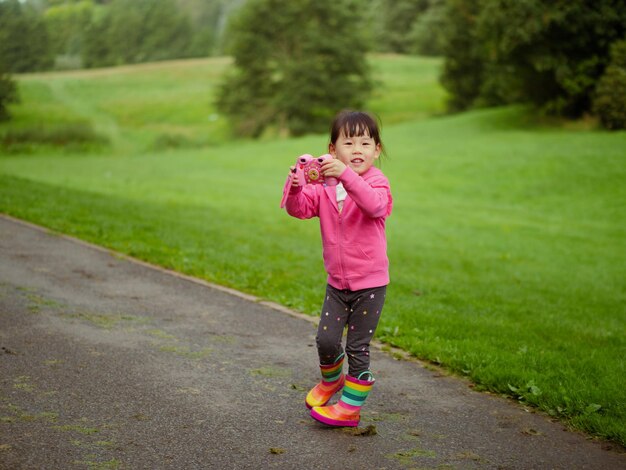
x,y
398,352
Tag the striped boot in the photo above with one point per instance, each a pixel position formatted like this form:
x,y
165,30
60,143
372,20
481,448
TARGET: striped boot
x,y
331,383
347,411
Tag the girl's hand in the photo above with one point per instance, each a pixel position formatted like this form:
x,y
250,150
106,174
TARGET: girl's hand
x,y
294,176
333,167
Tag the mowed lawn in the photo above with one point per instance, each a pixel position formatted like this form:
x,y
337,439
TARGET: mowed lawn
x,y
507,241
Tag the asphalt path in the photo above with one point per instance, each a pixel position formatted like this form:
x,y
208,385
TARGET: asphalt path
x,y
107,362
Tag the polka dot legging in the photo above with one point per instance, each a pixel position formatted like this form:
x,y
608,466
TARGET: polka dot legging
x,y
360,311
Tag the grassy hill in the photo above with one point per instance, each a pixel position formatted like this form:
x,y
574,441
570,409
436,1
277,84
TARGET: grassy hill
x,y
156,106
507,242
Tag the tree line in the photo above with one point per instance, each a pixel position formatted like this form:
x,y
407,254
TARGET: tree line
x,y
298,61
38,35
563,58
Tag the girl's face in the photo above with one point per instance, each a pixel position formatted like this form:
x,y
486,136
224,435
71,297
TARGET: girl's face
x,y
357,152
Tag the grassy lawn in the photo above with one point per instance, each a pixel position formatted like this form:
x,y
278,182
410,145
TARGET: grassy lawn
x,y
507,242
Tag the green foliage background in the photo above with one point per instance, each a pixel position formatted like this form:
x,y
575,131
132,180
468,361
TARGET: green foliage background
x,y
134,31
549,54
497,52
24,39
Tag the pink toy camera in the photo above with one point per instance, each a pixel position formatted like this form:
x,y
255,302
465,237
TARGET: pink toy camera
x,y
308,170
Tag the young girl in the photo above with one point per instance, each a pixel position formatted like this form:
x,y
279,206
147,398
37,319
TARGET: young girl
x,y
352,221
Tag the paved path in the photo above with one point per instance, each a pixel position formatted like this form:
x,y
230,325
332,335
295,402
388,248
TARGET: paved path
x,y
108,363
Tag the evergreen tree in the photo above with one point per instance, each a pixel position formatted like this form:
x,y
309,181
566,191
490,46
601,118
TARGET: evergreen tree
x,y
296,64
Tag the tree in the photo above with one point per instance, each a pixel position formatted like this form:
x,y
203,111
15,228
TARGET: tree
x,y
66,23
97,50
133,31
557,50
208,20
428,35
463,67
24,44
396,19
549,54
296,64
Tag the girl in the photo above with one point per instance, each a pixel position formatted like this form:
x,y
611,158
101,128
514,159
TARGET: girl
x,y
352,221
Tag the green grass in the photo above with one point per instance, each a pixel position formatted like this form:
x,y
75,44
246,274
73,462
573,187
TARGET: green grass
x,y
135,108
507,241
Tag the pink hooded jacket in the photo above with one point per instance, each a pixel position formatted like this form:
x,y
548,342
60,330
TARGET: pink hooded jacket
x,y
353,240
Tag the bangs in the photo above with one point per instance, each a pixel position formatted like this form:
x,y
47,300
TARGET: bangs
x,y
356,128
354,124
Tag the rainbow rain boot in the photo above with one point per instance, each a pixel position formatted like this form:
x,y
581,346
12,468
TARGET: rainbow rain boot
x,y
331,383
347,411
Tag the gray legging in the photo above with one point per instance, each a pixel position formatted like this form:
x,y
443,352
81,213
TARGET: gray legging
x,y
360,310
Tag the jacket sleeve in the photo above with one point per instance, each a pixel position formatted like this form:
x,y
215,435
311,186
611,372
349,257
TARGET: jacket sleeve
x,y
373,197
303,202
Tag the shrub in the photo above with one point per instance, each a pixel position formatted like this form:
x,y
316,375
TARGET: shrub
x,y
610,97
174,141
71,137
8,95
